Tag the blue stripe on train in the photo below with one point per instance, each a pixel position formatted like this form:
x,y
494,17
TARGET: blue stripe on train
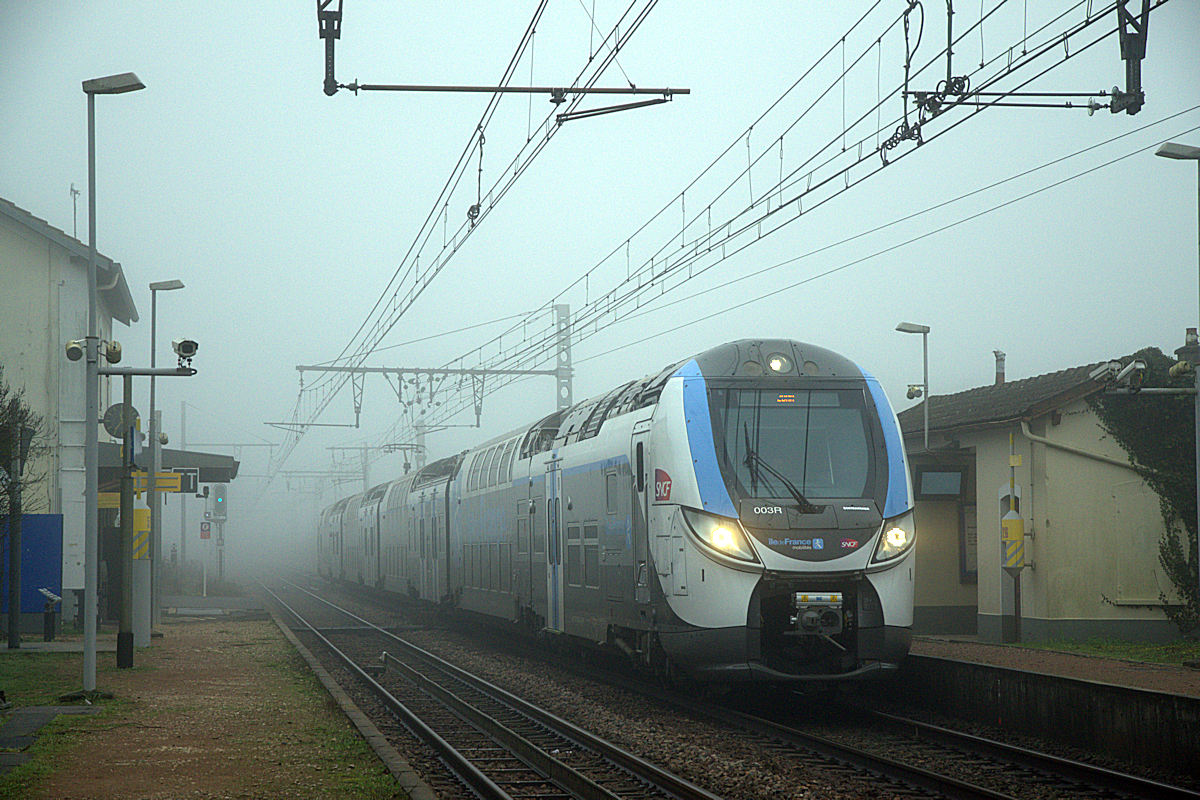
x,y
713,493
897,501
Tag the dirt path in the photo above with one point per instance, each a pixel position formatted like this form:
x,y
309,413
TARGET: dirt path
x,y
216,709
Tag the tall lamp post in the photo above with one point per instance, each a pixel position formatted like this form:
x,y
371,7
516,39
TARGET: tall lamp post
x,y
155,460
111,84
912,327
1191,351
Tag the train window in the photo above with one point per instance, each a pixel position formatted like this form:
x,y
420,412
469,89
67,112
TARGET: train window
x,y
481,470
572,532
522,535
494,465
574,563
509,452
591,565
610,492
640,467
539,540
494,579
485,465
476,464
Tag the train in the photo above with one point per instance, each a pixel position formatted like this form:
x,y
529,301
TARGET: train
x,y
742,515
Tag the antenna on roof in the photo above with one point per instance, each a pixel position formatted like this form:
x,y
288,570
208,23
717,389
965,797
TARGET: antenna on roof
x,y
74,211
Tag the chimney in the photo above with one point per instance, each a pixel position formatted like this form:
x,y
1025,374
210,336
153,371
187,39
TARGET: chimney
x,y
999,354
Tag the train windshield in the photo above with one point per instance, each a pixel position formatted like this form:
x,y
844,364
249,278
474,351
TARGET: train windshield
x,y
818,441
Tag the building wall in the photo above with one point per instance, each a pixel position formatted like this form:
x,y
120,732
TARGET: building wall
x,y
43,304
27,300
1095,528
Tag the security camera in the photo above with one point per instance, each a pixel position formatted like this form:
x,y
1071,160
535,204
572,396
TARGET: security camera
x,y
1180,368
1132,374
185,348
162,439
75,349
1105,372
112,352
915,391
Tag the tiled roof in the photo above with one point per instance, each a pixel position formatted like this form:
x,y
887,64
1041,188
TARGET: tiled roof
x,y
117,299
1012,400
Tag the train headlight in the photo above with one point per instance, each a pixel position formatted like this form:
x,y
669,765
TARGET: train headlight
x,y
721,534
897,537
779,363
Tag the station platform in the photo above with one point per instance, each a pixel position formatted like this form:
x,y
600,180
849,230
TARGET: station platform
x,y
219,706
1175,679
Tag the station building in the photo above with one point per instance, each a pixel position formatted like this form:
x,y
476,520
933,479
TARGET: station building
x,y
43,305
1092,525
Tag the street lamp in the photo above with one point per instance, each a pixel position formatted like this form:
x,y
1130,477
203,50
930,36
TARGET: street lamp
x,y
112,84
912,327
155,460
1190,350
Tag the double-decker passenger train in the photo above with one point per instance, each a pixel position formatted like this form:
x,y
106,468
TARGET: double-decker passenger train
x,y
745,514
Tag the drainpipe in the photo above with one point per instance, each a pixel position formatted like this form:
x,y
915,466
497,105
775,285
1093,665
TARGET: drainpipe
x,y
1075,450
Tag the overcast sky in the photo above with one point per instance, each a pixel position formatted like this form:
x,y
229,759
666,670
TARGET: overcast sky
x,y
286,212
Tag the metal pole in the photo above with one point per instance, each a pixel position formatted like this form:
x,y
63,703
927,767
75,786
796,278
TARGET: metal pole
x,y
14,532
925,360
152,478
183,500
91,415
125,631
1196,372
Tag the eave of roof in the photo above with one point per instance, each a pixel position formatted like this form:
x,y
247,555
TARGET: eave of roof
x,y
996,404
118,298
214,467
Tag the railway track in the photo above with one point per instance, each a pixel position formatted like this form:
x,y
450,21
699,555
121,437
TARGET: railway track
x,y
494,743
903,757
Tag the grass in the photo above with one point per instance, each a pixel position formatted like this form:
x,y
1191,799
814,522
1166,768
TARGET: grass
x,y
1167,653
344,756
36,679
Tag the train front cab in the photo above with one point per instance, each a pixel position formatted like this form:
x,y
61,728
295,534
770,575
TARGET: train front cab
x,y
769,570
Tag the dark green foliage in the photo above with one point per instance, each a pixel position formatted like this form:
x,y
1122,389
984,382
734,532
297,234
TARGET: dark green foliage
x,y
1158,433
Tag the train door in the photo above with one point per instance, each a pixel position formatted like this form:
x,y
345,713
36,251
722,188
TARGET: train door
x,y
639,458
423,563
378,515
341,544
554,546
538,566
448,585
434,590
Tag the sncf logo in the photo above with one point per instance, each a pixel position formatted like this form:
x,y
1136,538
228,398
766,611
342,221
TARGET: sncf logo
x,y
662,486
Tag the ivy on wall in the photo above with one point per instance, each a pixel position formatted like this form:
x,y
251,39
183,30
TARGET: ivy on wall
x,y
1158,433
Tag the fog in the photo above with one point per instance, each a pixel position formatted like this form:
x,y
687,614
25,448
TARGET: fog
x,y
286,212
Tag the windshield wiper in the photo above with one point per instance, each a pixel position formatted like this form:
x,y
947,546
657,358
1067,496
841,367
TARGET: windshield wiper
x,y
754,461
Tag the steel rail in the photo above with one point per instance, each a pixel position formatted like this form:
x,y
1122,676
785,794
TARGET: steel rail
x,y
900,771
455,761
640,767
561,774
1101,777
